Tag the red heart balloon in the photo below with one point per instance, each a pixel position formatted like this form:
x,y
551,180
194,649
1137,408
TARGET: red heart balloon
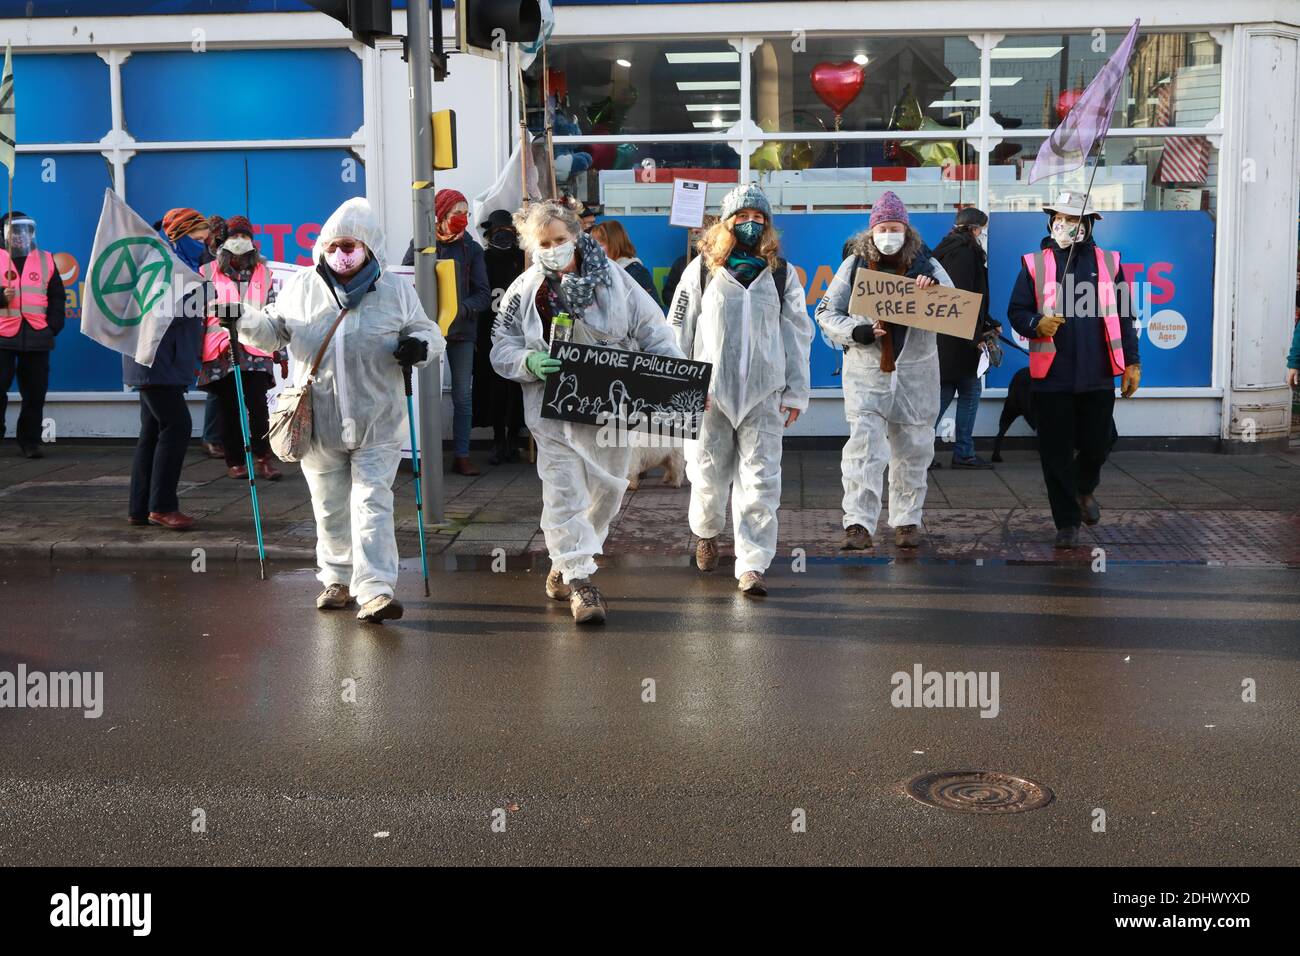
x,y
837,84
1065,102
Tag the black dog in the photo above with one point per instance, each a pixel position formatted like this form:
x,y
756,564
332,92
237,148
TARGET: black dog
x,y
1019,402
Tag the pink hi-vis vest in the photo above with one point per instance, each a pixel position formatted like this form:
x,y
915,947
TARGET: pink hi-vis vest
x,y
1042,271
27,296
216,340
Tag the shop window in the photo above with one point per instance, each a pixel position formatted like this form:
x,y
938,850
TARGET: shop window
x,y
856,83
251,183
637,87
637,177
61,98
63,192
1172,79
1174,173
229,95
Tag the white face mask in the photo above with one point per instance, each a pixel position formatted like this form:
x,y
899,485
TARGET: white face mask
x,y
1066,233
887,242
983,240
556,258
238,245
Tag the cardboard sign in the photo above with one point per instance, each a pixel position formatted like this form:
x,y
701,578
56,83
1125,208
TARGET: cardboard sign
x,y
889,298
639,391
688,203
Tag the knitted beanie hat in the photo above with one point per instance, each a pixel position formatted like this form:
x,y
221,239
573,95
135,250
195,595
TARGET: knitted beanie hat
x,y
443,202
888,208
745,196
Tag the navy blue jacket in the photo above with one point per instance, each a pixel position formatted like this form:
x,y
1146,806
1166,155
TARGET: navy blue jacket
x,y
474,295
179,353
1081,363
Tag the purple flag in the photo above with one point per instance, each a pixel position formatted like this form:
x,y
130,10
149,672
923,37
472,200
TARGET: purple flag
x,y
1089,118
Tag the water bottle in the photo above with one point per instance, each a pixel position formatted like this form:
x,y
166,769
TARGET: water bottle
x,y
561,328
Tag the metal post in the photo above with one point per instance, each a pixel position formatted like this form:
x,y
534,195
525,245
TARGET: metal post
x,y
419,22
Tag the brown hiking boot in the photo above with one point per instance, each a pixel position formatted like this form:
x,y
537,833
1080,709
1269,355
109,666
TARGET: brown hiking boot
x,y
461,465
556,589
1091,510
856,538
587,603
335,597
908,536
752,583
706,554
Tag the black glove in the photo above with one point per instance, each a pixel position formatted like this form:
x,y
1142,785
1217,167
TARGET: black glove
x,y
227,313
410,350
864,334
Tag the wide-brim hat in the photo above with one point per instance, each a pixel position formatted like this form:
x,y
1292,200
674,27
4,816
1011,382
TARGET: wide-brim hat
x,y
497,219
1070,203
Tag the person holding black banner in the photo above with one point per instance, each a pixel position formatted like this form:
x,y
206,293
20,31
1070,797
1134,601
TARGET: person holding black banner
x,y
891,382
583,477
742,308
1072,303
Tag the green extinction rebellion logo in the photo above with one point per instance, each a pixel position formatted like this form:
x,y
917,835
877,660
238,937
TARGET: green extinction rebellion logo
x,y
128,281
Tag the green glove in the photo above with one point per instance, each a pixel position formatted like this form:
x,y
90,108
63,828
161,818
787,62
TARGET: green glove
x,y
541,364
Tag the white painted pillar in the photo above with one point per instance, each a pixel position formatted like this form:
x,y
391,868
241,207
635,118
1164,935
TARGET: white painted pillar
x,y
1261,175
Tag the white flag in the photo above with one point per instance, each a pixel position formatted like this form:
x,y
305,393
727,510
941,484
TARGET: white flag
x,y
7,115
135,285
507,192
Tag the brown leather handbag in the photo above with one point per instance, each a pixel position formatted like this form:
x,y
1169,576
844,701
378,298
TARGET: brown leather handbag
x,y
290,431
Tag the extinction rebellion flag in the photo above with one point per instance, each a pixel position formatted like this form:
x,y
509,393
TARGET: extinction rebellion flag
x,y
135,285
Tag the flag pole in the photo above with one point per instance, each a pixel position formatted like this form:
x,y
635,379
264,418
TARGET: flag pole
x,y
1069,258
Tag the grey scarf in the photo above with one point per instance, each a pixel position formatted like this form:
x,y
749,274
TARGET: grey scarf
x,y
578,288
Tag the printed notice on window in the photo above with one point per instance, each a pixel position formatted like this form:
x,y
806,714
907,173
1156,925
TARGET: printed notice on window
x,y
688,203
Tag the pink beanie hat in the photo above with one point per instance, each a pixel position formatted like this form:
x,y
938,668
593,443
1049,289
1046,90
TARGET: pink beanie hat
x,y
888,208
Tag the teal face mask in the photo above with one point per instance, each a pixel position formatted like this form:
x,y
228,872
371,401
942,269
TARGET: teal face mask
x,y
747,233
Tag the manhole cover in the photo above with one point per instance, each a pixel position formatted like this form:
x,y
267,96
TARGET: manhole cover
x,y
978,791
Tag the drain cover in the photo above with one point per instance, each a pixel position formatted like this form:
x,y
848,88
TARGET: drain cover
x,y
978,791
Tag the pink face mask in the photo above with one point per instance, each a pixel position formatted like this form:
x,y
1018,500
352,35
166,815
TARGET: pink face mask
x,y
341,261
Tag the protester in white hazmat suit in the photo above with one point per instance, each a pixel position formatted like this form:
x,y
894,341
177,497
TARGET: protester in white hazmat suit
x,y
358,399
741,308
584,474
891,383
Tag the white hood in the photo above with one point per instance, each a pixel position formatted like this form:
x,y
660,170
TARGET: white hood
x,y
354,218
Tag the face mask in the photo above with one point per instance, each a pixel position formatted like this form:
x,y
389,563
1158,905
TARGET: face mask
x,y
456,224
747,233
983,240
1066,233
502,239
888,242
556,258
238,245
341,261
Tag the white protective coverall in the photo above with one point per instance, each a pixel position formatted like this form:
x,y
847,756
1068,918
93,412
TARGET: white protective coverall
x,y
758,339
358,402
890,414
582,482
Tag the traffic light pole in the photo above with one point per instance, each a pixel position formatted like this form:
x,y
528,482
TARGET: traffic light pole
x,y
418,39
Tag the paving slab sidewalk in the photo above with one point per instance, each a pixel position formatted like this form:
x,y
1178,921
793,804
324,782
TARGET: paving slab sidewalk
x,y
1159,507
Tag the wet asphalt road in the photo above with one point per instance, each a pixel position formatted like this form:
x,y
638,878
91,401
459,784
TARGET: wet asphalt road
x,y
1120,691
